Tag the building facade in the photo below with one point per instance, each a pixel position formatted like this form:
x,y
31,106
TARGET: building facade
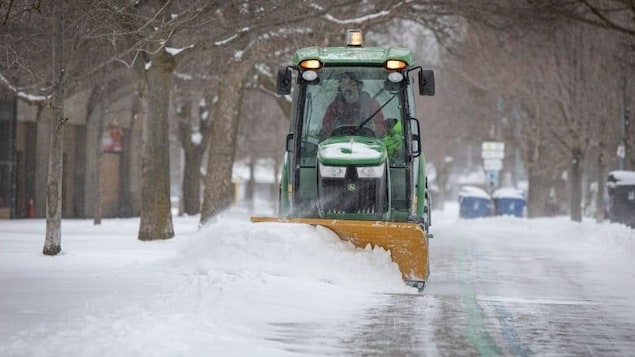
x,y
98,158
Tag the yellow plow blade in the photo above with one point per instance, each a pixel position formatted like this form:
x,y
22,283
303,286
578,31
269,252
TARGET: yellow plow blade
x,y
406,242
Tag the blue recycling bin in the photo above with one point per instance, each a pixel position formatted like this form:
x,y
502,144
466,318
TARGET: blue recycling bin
x,y
509,201
474,202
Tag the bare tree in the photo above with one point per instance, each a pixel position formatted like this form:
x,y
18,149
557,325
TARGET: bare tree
x,y
526,68
613,15
27,45
193,134
53,241
261,135
146,31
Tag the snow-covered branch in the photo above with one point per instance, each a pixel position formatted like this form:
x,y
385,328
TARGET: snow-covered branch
x,y
357,20
30,98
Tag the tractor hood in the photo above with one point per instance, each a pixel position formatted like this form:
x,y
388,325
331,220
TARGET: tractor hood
x,y
352,150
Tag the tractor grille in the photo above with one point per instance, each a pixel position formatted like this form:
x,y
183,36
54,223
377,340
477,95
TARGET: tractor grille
x,y
351,194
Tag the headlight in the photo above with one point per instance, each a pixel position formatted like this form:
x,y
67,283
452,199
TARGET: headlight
x,y
395,64
311,64
395,77
370,171
309,75
332,171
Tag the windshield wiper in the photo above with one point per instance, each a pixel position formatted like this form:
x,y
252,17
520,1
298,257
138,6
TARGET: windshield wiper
x,y
375,113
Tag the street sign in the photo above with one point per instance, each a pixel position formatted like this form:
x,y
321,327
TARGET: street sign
x,y
492,164
493,150
621,151
489,155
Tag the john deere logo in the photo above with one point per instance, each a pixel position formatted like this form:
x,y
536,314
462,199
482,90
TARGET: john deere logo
x,y
351,187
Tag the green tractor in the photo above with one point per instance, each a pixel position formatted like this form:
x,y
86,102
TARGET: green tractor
x,y
353,160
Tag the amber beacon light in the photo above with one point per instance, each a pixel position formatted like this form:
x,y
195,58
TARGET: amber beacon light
x,y
354,38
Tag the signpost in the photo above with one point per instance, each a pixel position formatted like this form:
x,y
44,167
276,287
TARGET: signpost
x,y
493,153
621,154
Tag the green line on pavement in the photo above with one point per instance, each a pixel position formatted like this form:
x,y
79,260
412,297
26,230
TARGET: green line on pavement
x,y
476,332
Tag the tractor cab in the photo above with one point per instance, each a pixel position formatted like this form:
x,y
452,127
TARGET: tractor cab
x,y
353,140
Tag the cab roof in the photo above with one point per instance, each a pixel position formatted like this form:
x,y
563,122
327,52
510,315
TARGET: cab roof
x,y
333,56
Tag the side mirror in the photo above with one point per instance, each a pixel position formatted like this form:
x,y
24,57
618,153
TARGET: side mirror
x,y
426,82
283,84
415,143
289,143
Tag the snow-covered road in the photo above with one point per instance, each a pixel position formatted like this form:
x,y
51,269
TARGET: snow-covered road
x,y
504,286
499,286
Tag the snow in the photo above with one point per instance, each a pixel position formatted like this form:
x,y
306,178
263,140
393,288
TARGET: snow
x,y
348,150
621,178
357,20
21,94
508,192
197,138
231,38
175,51
231,287
472,191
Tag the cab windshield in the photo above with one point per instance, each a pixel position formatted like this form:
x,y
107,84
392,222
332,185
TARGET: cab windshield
x,y
348,101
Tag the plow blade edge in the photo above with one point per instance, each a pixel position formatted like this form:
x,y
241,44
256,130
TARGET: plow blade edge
x,y
406,242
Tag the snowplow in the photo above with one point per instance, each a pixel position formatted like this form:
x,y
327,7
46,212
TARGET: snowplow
x,y
353,159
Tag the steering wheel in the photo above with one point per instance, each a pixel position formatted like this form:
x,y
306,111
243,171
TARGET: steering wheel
x,y
344,130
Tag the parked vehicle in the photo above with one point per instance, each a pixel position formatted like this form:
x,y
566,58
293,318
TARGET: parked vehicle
x,y
621,189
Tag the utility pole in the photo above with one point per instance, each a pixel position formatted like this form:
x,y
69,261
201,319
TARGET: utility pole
x,y
628,150
624,152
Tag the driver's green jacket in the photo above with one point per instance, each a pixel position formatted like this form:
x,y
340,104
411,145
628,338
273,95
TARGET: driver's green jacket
x,y
393,139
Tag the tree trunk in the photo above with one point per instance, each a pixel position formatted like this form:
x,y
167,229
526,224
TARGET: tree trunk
x,y
193,155
575,184
218,193
275,189
443,175
251,184
98,150
125,210
192,180
538,204
599,197
134,156
156,217
53,241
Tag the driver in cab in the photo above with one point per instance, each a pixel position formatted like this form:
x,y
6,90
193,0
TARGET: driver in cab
x,y
352,106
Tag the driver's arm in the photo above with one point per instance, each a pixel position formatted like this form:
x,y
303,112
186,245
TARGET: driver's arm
x,y
378,119
328,122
